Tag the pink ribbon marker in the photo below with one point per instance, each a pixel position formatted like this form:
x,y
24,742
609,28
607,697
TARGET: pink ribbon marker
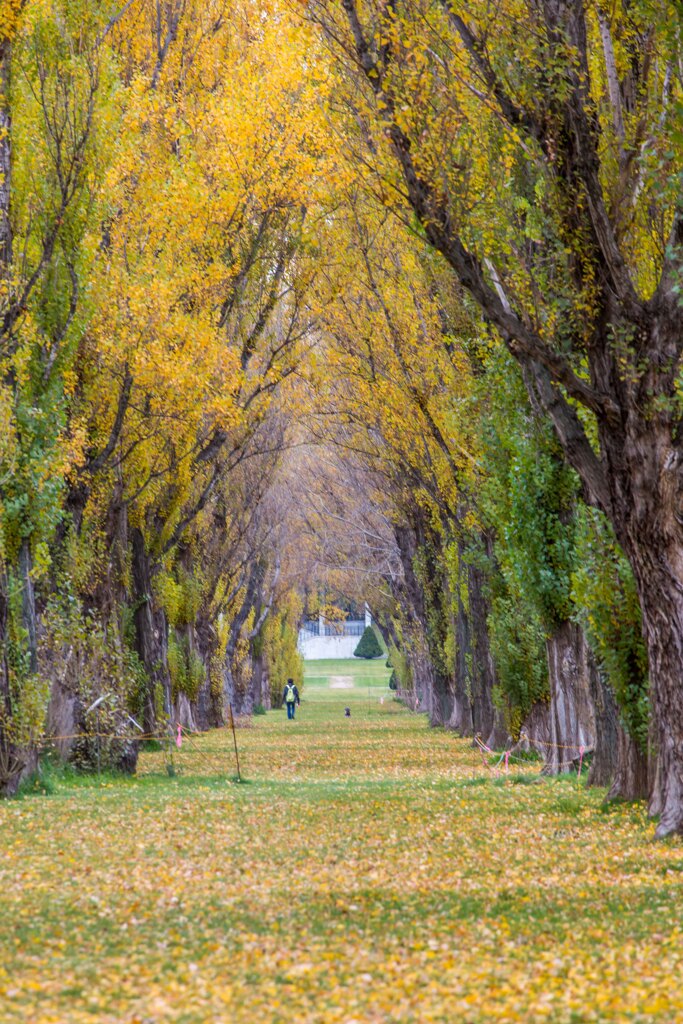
x,y
507,757
179,737
582,750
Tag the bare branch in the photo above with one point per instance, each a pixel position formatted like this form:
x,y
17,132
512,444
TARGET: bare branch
x,y
96,463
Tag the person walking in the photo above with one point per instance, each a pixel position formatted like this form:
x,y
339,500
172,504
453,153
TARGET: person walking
x,y
291,697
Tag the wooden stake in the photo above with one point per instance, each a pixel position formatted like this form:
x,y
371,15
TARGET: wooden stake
x,y
234,737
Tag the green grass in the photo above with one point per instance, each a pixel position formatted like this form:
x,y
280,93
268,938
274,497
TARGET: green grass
x,y
372,870
368,680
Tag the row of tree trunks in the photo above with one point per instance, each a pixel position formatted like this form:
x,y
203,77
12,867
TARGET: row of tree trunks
x,y
582,713
462,700
581,717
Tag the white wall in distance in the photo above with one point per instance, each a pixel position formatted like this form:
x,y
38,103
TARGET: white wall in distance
x,y
316,648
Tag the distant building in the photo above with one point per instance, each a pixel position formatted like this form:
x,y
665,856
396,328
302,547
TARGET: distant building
x,y
320,639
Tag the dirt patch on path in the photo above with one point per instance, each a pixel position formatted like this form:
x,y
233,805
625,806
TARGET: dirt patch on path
x,y
341,682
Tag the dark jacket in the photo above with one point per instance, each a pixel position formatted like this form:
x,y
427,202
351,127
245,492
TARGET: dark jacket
x,y
296,694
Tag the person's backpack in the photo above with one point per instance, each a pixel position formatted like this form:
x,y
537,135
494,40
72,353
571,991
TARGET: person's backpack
x,y
290,698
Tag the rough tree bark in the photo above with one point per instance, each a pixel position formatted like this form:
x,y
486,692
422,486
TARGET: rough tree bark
x,y
422,675
605,755
232,695
487,722
572,719
658,568
461,718
630,780
207,711
559,728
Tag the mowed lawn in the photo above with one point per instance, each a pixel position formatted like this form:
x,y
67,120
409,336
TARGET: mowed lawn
x,y
369,870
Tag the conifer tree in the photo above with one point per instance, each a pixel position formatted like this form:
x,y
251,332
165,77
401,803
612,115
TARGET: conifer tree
x,y
368,645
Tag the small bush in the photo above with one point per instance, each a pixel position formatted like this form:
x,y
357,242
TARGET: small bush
x,y
259,709
393,685
368,646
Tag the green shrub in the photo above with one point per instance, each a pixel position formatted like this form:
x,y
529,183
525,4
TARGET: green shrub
x,y
393,685
401,669
368,646
259,709
605,592
185,666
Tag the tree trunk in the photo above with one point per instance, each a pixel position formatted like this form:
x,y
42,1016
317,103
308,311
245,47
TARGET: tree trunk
x,y
461,713
183,713
421,697
411,600
150,635
260,686
646,508
229,690
483,668
572,721
631,775
654,776
661,594
460,718
206,711
232,695
605,761
443,701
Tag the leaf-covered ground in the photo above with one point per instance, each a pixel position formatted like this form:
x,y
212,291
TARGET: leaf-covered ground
x,y
369,871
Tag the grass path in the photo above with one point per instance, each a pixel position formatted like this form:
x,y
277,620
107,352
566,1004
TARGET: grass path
x,y
370,871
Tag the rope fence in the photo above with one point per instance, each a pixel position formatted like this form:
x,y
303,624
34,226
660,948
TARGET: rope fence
x,y
508,756
174,737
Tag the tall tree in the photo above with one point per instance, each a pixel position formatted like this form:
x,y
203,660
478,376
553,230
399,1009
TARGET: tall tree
x,y
54,114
